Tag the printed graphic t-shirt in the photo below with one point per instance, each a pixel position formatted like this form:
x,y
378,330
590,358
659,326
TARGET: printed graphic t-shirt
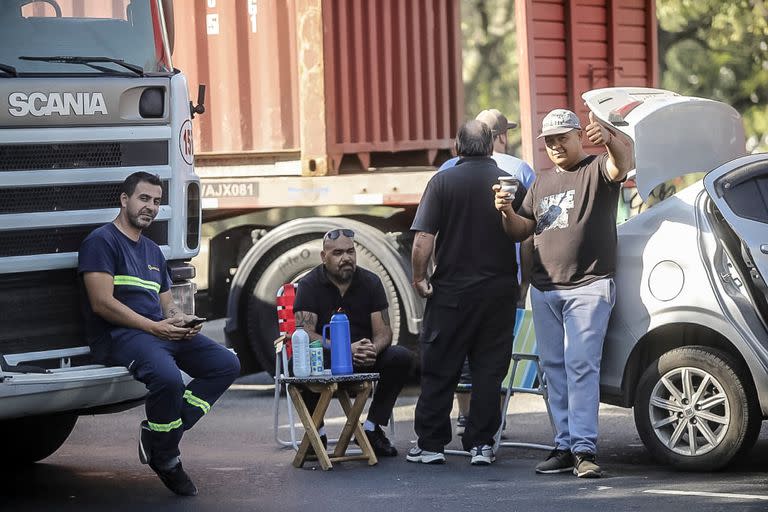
x,y
139,275
575,213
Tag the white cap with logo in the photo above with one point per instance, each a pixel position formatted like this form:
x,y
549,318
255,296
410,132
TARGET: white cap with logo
x,y
559,121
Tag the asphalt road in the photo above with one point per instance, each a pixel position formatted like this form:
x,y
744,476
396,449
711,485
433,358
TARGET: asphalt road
x,y
237,466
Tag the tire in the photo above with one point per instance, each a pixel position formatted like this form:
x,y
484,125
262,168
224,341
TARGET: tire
x,y
30,439
723,419
287,263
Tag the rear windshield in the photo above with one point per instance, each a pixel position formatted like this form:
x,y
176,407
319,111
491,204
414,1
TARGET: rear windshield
x,y
130,30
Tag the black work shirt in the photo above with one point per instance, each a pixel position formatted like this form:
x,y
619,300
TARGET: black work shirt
x,y
365,295
474,257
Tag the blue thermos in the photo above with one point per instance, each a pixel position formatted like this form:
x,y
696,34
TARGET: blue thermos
x,y
341,345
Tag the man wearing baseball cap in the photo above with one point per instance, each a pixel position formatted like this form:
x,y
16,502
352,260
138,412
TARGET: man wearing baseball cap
x,y
513,166
571,212
499,126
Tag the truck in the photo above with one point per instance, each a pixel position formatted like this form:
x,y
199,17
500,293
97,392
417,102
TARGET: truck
x,y
88,95
337,113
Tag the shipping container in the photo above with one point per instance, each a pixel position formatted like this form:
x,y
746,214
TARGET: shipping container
x,y
336,84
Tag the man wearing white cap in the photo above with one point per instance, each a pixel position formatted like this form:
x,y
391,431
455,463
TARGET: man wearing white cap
x,y
571,211
517,168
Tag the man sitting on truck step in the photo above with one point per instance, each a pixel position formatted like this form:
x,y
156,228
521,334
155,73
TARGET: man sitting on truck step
x,y
132,321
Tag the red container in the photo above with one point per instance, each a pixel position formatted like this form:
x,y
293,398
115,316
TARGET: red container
x,y
568,47
346,83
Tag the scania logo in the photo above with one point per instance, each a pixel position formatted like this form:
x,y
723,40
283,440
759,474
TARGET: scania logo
x,y
62,103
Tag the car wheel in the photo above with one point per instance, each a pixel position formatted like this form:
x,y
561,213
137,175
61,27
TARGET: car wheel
x,y
694,411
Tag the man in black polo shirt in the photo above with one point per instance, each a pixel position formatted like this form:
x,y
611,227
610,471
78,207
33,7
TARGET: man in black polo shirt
x,y
340,284
471,298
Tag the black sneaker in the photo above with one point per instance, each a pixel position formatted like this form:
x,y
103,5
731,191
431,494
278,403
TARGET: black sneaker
x,y
311,455
558,461
144,443
381,445
176,479
585,466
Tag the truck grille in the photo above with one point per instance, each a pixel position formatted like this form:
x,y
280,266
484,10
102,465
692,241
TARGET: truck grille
x,y
57,198
41,311
26,157
29,242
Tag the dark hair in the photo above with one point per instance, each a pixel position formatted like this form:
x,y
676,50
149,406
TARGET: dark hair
x,y
129,185
474,138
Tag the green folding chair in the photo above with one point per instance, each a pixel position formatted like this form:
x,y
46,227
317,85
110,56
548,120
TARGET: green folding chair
x,y
524,376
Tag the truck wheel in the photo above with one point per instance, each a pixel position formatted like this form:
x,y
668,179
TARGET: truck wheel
x,y
34,438
287,263
693,410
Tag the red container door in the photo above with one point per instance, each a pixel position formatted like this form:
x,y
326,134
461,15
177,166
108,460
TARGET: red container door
x,y
571,46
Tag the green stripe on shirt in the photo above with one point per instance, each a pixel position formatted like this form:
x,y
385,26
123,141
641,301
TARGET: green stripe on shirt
x,y
135,281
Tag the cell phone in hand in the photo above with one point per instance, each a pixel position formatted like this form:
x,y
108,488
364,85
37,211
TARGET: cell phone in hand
x,y
194,322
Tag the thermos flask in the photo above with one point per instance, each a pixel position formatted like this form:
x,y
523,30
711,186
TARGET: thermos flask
x,y
341,345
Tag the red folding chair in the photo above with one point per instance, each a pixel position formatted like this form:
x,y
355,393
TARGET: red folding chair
x,y
286,294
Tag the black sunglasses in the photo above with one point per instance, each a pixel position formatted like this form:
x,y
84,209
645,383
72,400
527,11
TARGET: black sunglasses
x,y
336,233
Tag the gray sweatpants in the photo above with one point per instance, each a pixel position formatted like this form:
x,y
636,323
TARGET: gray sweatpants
x,y
570,328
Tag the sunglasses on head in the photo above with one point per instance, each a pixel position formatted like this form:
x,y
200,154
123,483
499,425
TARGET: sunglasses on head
x,y
336,233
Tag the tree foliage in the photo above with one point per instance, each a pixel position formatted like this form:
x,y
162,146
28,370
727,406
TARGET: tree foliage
x,y
709,48
718,49
490,60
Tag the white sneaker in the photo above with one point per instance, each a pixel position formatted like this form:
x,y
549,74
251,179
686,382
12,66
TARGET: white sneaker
x,y
416,454
482,455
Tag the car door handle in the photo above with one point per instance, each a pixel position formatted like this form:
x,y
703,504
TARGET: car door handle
x,y
764,248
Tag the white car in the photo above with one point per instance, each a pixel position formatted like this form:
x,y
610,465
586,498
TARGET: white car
x,y
687,344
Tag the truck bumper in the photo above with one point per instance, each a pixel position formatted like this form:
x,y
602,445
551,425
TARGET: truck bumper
x,y
67,389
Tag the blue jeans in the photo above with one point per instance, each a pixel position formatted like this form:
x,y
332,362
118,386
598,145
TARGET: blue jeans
x,y
570,328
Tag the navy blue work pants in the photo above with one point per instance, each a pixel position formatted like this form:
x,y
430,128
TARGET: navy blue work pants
x,y
171,406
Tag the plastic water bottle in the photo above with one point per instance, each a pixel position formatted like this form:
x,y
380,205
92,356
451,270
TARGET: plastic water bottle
x,y
341,344
300,343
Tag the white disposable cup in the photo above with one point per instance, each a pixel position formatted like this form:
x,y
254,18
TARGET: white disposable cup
x,y
509,184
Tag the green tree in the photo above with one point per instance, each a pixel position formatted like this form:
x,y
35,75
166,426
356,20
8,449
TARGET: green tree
x,y
718,49
490,60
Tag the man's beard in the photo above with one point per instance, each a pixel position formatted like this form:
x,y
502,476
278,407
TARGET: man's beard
x,y
135,221
344,274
